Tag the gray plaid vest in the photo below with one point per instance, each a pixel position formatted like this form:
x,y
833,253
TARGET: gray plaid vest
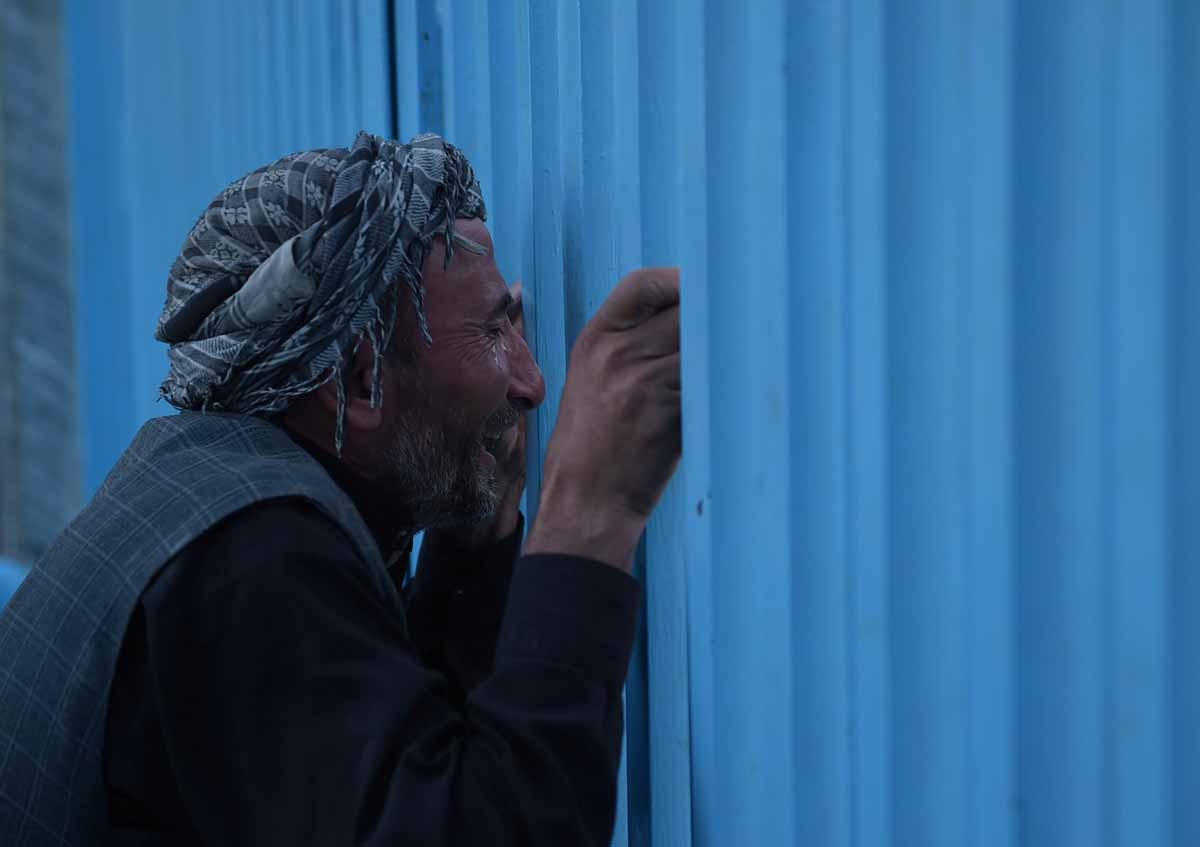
x,y
61,632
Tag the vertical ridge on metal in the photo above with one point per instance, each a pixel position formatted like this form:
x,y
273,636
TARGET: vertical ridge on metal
x,y
344,121
316,56
602,241
392,50
1062,231
430,69
279,80
671,140
867,457
752,472
986,315
101,250
545,304
816,198
472,102
151,143
1138,721
371,74
257,36
510,201
1184,372
407,64
927,356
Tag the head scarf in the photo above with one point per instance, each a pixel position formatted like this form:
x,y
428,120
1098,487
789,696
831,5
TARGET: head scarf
x,y
292,265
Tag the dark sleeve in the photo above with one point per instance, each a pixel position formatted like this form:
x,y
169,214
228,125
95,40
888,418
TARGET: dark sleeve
x,y
455,604
295,710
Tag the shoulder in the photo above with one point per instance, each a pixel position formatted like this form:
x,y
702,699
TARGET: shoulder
x,y
287,544
273,528
297,518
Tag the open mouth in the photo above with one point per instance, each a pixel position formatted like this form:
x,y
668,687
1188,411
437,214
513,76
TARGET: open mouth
x,y
492,438
496,428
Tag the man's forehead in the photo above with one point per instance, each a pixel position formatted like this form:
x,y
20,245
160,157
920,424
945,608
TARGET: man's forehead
x,y
476,230
474,279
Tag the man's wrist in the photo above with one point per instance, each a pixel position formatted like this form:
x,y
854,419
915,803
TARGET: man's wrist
x,y
569,522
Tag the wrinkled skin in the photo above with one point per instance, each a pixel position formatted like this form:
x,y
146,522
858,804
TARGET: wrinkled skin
x,y
615,445
447,442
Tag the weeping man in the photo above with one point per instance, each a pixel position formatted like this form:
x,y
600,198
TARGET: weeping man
x,y
222,648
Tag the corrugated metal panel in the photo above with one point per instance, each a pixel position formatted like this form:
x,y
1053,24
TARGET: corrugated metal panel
x,y
928,573
171,102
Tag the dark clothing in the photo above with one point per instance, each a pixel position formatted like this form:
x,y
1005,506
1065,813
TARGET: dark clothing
x,y
61,633
265,695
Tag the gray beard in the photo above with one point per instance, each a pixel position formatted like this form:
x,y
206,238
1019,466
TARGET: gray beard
x,y
438,483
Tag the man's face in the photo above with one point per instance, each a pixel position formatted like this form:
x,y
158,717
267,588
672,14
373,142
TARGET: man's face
x,y
444,405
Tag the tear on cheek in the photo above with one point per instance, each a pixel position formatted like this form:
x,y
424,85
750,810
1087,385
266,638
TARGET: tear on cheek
x,y
500,355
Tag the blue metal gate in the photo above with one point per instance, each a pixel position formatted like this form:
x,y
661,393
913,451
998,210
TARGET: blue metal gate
x,y
929,573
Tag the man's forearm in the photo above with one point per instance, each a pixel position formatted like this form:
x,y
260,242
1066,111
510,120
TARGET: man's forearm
x,y
571,522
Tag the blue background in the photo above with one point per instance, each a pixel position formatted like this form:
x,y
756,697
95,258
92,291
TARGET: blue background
x,y
928,575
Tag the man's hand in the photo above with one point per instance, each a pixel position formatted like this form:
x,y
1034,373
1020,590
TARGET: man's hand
x,y
617,439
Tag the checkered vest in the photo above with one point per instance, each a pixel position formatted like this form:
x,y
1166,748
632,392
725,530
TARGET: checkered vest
x,y
61,632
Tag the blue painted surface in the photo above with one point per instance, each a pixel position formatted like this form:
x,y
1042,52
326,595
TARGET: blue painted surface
x,y
1183,350
671,122
752,452
927,574
817,393
11,575
101,219
1061,281
927,355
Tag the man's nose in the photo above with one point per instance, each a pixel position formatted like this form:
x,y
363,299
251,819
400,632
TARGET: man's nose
x,y
527,389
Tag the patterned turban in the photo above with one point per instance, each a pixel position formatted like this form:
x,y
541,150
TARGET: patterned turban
x,y
292,265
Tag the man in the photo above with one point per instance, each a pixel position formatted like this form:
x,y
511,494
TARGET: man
x,y
216,651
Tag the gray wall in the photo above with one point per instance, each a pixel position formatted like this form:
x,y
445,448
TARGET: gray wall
x,y
39,443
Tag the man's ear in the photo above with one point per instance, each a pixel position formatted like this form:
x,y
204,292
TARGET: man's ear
x,y
356,382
